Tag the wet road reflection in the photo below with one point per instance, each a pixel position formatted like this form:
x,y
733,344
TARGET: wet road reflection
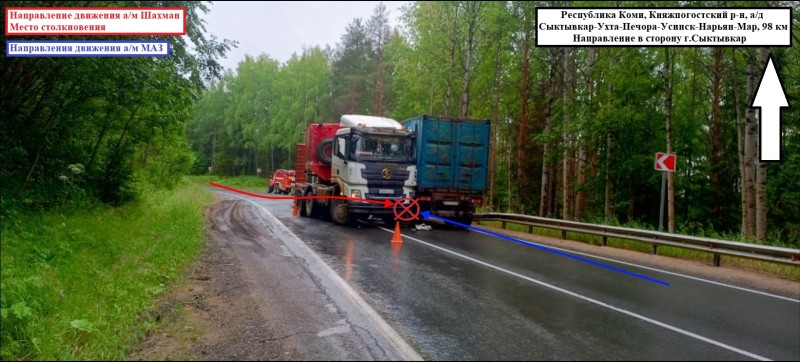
x,y
435,291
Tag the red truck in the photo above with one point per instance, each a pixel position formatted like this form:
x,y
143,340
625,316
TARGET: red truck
x,y
281,182
363,157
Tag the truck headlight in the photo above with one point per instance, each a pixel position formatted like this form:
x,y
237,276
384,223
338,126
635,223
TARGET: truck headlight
x,y
356,194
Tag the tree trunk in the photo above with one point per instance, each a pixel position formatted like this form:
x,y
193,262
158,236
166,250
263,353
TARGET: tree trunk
x,y
716,136
351,98
568,211
687,196
740,140
99,140
493,130
580,196
378,106
761,201
547,195
451,71
761,175
510,192
524,122
580,176
214,149
608,210
473,12
668,117
750,138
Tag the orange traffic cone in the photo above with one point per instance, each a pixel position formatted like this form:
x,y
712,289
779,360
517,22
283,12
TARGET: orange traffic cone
x,y
295,210
396,237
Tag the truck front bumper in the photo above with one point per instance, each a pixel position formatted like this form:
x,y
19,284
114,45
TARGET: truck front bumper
x,y
368,209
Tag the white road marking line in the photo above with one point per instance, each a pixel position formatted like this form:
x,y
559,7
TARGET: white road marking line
x,y
667,272
403,348
591,300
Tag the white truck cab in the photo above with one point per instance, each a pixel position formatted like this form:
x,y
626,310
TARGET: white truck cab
x,y
373,158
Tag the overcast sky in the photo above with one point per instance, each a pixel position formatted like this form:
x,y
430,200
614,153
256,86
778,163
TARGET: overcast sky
x,y
279,28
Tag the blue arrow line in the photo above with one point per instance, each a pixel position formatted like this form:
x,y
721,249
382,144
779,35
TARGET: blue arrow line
x,y
427,215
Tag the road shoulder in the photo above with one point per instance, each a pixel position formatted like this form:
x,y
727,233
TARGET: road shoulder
x,y
250,297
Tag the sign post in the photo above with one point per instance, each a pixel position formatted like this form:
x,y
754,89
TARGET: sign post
x,y
661,207
665,162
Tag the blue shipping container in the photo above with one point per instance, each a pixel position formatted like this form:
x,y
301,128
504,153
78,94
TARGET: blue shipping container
x,y
451,153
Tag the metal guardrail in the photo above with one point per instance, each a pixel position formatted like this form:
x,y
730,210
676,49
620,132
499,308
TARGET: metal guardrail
x,y
654,238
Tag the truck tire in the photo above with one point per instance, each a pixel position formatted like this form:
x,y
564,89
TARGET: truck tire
x,y
301,207
466,220
322,150
340,212
311,206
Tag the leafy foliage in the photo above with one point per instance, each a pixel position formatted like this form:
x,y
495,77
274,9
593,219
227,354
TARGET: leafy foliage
x,y
602,114
121,120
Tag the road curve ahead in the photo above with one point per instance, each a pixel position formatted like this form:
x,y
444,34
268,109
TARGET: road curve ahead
x,y
462,295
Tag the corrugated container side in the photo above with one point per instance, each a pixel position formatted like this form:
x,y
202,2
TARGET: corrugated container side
x,y
472,154
451,153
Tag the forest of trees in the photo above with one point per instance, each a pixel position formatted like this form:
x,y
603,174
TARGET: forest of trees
x,y
574,130
76,130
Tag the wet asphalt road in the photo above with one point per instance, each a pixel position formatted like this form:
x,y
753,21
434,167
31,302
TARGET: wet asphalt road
x,y
460,295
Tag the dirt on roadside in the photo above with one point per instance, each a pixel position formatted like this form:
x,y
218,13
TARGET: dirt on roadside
x,y
214,315
249,297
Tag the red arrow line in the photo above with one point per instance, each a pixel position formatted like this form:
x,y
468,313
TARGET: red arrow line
x,y
385,203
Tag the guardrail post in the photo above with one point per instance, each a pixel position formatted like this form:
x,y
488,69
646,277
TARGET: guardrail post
x,y
655,249
605,240
504,225
530,229
564,234
716,259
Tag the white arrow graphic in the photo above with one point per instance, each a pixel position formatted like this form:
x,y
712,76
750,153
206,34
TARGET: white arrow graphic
x,y
660,161
770,97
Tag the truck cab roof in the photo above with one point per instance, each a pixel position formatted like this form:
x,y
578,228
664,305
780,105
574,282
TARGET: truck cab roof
x,y
362,121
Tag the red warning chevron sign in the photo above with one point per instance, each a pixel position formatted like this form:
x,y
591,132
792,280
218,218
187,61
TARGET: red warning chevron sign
x,y
665,162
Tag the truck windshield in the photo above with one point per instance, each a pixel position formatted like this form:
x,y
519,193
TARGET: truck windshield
x,y
382,148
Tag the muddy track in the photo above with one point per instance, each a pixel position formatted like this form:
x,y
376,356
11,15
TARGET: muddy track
x,y
249,298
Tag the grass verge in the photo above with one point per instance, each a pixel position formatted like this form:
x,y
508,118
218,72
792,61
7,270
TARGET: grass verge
x,y
251,183
783,271
80,286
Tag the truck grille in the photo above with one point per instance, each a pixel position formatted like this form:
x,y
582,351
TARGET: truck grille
x,y
373,175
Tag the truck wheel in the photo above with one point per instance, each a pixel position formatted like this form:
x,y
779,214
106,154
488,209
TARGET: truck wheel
x,y
323,148
270,188
301,207
340,212
466,220
311,207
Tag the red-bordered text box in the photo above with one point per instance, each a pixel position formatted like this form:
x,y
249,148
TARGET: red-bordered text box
x,y
95,21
